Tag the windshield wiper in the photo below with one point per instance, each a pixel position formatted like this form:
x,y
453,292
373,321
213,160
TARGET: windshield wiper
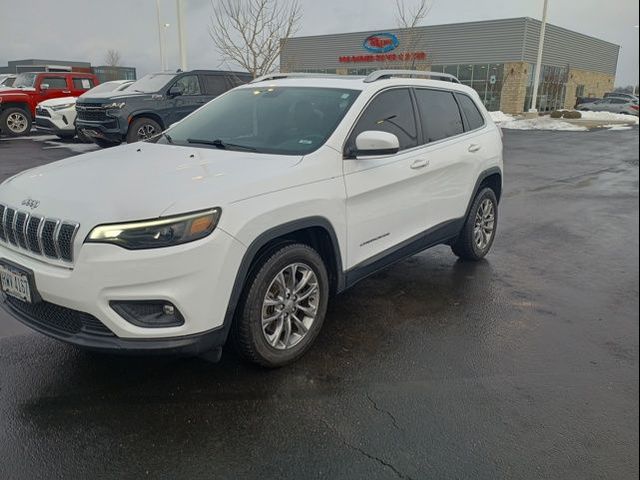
x,y
168,137
220,144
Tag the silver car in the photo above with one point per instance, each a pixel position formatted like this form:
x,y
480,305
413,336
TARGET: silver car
x,y
612,104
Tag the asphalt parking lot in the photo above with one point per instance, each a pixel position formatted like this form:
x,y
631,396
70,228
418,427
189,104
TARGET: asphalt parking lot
x,y
522,366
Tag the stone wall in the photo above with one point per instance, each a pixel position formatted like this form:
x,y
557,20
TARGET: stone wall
x,y
596,84
514,87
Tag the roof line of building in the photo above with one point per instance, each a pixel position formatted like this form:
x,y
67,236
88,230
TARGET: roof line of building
x,y
508,19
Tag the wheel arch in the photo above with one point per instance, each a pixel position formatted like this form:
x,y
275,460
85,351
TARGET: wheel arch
x,y
146,114
492,178
316,232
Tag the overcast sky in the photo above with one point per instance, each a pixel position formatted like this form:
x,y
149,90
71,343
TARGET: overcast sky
x,y
84,30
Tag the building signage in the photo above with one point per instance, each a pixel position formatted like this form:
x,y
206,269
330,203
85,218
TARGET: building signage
x,y
381,46
381,42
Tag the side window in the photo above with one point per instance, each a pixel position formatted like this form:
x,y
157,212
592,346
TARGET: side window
x,y
82,83
55,83
216,84
439,114
189,85
392,112
471,112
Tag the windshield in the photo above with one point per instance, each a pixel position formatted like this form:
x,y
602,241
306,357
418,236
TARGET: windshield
x,y
151,83
25,80
284,120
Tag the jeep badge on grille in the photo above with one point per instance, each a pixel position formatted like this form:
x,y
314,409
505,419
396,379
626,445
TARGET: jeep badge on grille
x,y
31,203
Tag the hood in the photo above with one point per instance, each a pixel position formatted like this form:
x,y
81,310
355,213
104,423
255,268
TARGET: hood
x,y
143,180
15,91
57,101
107,97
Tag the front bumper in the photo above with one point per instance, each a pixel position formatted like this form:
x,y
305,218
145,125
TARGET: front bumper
x,y
196,277
113,129
47,125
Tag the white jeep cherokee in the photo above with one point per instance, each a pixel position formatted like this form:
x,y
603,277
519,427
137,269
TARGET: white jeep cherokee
x,y
247,215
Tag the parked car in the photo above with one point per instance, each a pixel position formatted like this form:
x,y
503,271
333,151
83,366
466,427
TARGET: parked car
x,y
58,115
246,216
151,104
18,104
6,80
583,100
627,96
613,105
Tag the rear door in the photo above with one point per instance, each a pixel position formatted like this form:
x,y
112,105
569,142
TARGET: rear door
x,y
385,194
79,85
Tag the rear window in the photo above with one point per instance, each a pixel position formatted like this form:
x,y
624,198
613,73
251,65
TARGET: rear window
x,y
55,82
439,113
471,112
82,83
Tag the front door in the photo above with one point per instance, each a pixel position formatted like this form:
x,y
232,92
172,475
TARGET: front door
x,y
56,87
385,202
189,100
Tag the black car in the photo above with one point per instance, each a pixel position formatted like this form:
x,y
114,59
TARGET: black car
x,y
151,104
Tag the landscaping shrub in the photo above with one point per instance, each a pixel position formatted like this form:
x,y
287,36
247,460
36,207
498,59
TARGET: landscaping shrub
x,y
556,114
571,114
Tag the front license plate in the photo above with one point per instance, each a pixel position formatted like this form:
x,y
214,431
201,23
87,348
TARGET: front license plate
x,y
15,283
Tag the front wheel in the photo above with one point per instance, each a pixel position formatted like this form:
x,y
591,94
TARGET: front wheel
x,y
283,306
15,121
143,129
479,230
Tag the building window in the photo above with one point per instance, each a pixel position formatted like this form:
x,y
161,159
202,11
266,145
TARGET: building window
x,y
552,88
580,91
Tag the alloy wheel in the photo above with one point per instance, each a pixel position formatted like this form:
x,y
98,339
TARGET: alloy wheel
x,y
484,225
17,122
146,131
290,306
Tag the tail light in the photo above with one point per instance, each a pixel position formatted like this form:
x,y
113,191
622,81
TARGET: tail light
x,y
634,107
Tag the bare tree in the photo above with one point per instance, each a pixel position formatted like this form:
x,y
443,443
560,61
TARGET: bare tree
x,y
251,33
409,17
112,58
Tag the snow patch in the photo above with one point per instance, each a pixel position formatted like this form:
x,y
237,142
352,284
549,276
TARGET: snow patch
x,y
542,123
618,127
74,147
499,117
604,116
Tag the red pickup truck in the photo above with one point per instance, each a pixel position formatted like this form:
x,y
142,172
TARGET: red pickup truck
x,y
18,104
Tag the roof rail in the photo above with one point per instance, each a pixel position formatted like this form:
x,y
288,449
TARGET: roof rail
x,y
280,76
383,74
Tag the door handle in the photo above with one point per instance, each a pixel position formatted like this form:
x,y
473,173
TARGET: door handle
x,y
66,91
474,148
419,164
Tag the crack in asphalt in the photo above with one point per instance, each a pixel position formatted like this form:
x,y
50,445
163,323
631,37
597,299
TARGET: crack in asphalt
x,y
383,411
366,454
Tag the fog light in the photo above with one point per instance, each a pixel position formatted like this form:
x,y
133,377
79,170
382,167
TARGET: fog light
x,y
148,313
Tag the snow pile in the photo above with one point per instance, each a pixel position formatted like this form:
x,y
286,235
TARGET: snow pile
x,y
605,116
542,123
499,117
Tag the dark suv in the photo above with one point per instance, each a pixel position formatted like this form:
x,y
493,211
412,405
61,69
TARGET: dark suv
x,y
150,104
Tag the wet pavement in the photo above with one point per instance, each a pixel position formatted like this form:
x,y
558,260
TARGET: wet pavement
x,y
522,366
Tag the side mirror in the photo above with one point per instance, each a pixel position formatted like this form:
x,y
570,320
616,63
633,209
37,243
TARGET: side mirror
x,y
376,143
175,91
44,86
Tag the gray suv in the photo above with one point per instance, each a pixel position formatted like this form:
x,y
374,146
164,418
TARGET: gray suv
x,y
150,104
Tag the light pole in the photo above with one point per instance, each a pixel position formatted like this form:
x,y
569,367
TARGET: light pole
x,y
181,40
160,43
635,84
164,45
536,77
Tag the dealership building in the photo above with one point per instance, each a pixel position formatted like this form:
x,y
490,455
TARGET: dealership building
x,y
496,58
103,72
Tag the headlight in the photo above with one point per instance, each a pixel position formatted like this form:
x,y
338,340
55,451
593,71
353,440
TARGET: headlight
x,y
162,232
62,107
118,105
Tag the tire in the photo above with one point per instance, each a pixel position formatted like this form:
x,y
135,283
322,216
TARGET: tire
x,y
474,244
102,143
265,298
143,128
15,122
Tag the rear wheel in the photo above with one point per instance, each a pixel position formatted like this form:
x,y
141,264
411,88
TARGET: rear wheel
x,y
15,121
143,129
283,307
479,230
